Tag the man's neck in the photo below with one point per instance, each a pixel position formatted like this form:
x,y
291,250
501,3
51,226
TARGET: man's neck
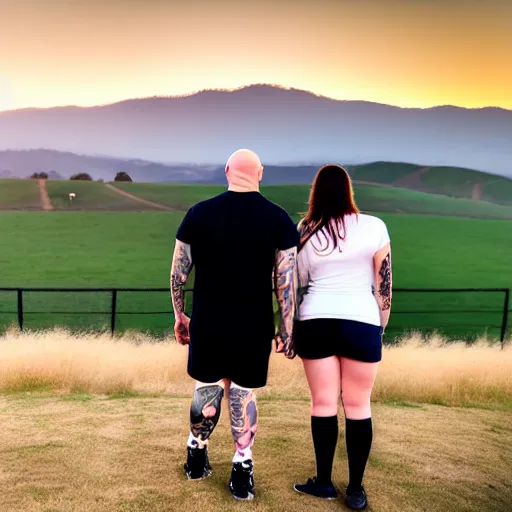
x,y
235,188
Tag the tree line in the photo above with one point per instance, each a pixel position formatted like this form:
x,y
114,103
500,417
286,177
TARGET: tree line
x,y
82,176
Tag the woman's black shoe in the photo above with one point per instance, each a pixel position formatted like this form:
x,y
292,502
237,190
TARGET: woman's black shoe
x,y
356,500
327,492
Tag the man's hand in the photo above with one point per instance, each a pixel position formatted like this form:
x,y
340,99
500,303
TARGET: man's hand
x,y
181,329
284,345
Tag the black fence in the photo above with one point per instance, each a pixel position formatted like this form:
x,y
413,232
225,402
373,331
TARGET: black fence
x,y
459,313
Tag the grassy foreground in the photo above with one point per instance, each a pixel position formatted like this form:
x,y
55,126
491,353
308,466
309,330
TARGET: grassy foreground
x,y
75,453
96,425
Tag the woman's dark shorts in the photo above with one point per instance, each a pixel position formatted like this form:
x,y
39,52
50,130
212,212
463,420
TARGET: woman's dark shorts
x,y
326,337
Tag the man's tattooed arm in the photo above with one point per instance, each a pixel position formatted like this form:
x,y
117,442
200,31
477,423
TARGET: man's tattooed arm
x,y
384,282
302,267
285,286
180,271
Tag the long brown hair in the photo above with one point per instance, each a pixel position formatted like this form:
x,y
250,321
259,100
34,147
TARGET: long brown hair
x,y
330,199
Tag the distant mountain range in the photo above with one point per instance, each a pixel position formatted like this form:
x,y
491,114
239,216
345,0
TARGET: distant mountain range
x,y
283,125
62,165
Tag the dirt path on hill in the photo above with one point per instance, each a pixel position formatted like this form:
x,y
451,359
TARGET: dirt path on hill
x,y
139,199
46,204
477,192
413,180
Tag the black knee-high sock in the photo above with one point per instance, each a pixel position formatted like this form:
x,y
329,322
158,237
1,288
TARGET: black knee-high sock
x,y
359,434
325,437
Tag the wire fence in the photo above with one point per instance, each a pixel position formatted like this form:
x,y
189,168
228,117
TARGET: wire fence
x,y
458,313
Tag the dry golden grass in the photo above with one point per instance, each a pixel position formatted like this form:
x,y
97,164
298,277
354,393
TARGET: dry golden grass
x,y
418,372
78,436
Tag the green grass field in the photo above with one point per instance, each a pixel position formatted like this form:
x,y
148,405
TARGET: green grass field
x,y
108,240
134,249
19,195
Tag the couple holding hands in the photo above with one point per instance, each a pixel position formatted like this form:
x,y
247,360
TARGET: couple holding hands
x,y
332,278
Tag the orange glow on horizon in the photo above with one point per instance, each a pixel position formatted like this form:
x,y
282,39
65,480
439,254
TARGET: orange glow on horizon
x,y
398,52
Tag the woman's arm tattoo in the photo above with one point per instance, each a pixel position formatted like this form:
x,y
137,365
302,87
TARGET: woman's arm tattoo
x,y
180,270
285,288
385,283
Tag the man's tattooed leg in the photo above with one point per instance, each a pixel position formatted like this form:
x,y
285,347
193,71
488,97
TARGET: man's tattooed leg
x,y
244,421
204,414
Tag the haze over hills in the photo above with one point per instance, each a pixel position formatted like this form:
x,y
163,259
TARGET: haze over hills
x,y
282,125
450,181
62,165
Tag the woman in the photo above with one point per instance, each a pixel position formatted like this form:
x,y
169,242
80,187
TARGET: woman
x,y
344,266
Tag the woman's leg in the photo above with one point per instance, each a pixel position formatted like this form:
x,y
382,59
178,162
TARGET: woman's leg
x,y
357,379
324,383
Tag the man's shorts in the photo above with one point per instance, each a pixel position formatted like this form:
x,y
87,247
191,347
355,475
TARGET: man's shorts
x,y
243,360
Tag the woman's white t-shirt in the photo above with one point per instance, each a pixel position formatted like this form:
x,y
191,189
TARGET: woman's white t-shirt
x,y
340,282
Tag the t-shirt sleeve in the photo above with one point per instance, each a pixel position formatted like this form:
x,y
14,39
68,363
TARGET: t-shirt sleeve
x,y
383,235
288,235
185,232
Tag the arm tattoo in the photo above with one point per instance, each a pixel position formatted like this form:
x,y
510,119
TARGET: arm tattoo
x,y
302,271
385,283
180,270
285,287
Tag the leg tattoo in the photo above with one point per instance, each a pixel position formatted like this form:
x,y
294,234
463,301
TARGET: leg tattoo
x,y
204,414
244,421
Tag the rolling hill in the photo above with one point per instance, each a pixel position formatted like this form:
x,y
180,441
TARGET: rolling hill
x,y
19,195
94,196
449,181
282,125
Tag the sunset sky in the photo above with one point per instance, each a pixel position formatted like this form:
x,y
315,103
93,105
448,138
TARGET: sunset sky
x,y
413,53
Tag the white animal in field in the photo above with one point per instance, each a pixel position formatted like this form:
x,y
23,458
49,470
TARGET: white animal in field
x,y
72,196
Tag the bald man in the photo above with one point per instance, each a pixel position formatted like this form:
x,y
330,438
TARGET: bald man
x,y
235,241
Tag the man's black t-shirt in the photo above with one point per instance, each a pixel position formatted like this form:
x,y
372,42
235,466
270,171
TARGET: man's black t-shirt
x,y
234,238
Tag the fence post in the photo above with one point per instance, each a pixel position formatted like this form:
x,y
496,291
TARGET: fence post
x,y
504,323
113,312
20,308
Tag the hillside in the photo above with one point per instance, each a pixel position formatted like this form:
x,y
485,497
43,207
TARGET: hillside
x,y
96,196
19,195
450,181
294,199
283,125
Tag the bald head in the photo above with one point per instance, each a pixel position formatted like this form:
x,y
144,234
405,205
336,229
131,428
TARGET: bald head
x,y
244,171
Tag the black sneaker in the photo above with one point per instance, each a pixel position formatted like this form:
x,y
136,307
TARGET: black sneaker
x,y
356,500
197,466
241,483
327,492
